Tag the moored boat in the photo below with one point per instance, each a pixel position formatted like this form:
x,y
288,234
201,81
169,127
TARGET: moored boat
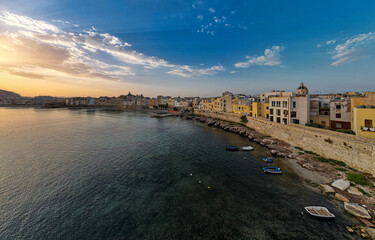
x,y
273,170
232,148
268,159
247,148
320,212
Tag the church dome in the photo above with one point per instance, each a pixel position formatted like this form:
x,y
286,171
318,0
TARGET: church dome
x,y
302,89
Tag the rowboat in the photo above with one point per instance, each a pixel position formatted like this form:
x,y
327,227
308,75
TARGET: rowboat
x,y
232,148
320,212
273,170
247,148
268,159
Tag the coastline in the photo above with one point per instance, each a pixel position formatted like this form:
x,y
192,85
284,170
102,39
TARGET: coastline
x,y
315,173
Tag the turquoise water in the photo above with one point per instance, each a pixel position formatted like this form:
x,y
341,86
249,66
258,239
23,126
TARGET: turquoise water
x,y
86,174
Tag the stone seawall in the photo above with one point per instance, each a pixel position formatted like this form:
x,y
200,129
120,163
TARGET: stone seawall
x,y
357,152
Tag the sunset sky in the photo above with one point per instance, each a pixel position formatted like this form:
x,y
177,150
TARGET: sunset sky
x,y
187,48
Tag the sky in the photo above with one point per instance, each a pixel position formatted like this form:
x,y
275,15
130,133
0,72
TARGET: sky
x,y
185,48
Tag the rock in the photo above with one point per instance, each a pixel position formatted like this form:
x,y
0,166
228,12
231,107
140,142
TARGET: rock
x,y
308,166
353,190
371,232
326,189
356,210
274,151
341,198
349,229
341,184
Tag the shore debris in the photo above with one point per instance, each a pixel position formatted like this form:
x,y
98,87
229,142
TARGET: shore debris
x,y
341,184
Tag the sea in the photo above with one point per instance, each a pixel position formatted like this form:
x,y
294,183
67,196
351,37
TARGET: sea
x,y
106,174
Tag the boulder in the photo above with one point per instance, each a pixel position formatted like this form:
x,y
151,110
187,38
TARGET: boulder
x,y
341,198
370,232
326,189
341,184
355,191
356,210
308,166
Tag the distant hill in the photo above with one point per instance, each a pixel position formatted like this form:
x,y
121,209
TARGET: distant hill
x,y
7,94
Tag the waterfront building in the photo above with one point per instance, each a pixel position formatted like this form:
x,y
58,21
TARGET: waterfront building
x,y
364,121
319,111
227,93
340,116
241,107
367,98
290,107
264,97
225,104
260,109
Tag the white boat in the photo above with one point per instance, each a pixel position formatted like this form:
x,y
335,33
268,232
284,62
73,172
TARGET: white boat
x,y
319,212
247,148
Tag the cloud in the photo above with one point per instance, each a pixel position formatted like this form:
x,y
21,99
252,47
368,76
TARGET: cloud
x,y
331,42
219,20
34,48
188,71
318,45
233,12
271,57
349,50
232,72
211,10
200,17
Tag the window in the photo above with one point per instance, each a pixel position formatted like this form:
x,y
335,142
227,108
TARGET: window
x,y
368,123
267,116
285,104
278,104
285,121
285,112
311,121
338,106
338,125
278,112
255,115
294,104
271,111
296,121
278,120
338,115
271,118
323,123
293,114
273,103
267,107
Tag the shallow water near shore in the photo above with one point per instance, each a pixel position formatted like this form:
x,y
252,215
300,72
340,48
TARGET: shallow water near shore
x,y
96,174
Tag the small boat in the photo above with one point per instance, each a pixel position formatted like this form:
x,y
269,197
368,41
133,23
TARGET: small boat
x,y
247,148
232,148
320,212
268,159
273,170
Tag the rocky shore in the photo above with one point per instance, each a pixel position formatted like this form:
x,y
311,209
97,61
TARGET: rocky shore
x,y
333,178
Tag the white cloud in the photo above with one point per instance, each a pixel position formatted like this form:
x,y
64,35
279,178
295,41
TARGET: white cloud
x,y
232,72
193,6
271,57
233,12
212,10
200,17
219,20
318,45
348,51
188,71
331,42
38,48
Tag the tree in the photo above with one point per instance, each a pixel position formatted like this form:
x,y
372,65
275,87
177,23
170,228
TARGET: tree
x,y
244,119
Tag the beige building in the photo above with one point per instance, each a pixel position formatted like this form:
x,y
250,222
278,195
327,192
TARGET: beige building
x,y
340,116
226,104
289,107
319,111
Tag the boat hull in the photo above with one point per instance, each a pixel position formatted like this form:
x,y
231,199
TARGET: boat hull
x,y
320,213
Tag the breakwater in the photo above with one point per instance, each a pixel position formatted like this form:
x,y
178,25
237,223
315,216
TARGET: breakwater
x,y
355,151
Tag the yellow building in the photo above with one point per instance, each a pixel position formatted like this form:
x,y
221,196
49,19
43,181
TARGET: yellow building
x,y
368,98
364,121
215,104
260,109
152,102
240,107
170,102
